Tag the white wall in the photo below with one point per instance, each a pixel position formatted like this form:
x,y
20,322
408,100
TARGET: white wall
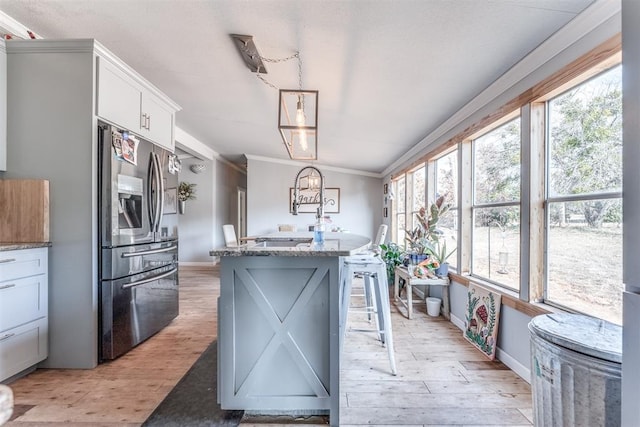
x,y
268,198
631,203
195,226
200,227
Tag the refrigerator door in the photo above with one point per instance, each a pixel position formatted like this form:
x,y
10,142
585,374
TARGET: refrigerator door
x,y
127,260
135,308
123,185
168,226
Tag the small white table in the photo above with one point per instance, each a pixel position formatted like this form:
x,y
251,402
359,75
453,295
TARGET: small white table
x,y
410,281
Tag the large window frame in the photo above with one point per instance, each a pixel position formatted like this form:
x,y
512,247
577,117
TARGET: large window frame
x,y
483,271
530,105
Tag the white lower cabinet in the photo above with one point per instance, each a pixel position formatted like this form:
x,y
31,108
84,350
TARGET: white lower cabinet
x,y
23,309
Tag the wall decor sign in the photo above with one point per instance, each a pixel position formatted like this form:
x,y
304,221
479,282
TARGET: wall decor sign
x,y
310,199
481,319
170,201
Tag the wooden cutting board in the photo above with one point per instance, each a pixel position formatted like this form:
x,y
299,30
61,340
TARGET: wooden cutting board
x,y
24,210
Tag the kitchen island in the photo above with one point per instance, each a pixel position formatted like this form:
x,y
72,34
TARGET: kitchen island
x,y
278,324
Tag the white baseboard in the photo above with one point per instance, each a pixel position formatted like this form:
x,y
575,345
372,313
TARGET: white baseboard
x,y
517,367
458,322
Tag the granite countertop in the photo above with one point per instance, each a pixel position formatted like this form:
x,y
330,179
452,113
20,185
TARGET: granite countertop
x,y
335,244
10,246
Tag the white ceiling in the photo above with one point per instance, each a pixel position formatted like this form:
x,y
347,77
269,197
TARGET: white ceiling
x,y
388,71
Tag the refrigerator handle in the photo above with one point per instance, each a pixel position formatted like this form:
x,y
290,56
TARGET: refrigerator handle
x,y
149,195
160,193
150,279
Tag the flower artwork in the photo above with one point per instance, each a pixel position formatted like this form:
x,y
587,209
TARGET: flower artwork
x,y
481,321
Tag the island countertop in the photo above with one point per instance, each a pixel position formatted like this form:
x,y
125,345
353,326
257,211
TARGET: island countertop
x,y
298,244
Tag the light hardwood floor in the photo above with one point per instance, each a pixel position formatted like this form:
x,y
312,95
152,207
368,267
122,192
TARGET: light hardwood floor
x,y
442,379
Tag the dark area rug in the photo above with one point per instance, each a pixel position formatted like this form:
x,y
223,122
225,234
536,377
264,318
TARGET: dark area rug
x,y
193,401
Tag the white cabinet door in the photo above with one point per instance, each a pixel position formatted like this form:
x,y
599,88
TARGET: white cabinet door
x,y
119,97
22,301
159,128
22,347
23,309
126,103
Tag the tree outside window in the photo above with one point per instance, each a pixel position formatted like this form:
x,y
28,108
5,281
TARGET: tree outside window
x,y
584,209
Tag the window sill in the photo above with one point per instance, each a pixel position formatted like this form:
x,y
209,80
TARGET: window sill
x,y
509,298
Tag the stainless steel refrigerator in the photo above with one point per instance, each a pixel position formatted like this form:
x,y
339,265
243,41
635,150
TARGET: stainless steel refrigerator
x,y
138,243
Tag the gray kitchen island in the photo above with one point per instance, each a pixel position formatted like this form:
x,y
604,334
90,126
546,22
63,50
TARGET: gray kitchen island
x,y
278,324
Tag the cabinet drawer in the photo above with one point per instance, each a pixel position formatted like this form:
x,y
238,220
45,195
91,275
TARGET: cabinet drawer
x,y
22,301
22,347
22,263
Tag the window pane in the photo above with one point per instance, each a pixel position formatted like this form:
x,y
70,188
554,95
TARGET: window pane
x,y
585,137
400,195
448,224
584,257
400,221
496,164
447,178
496,245
418,189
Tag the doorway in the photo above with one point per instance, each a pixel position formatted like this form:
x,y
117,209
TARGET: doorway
x,y
242,212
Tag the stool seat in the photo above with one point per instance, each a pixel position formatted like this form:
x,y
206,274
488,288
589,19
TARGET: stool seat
x,y
6,403
376,293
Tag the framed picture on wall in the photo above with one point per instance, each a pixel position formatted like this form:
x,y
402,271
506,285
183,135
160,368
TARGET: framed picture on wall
x,y
309,200
170,200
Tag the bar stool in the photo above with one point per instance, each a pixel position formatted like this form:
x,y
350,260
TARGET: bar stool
x,y
376,288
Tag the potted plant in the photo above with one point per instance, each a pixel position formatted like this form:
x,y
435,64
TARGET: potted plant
x,y
438,251
422,238
186,191
393,255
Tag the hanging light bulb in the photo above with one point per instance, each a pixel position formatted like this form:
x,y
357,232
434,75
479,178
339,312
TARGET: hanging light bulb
x,y
304,144
300,112
300,121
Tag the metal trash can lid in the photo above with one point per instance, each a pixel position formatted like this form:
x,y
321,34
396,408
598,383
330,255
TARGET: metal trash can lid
x,y
582,334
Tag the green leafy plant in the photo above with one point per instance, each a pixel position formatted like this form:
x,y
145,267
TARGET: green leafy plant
x,y
439,251
425,235
393,255
186,191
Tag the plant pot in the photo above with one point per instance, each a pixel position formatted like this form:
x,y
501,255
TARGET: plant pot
x,y
182,205
443,270
416,259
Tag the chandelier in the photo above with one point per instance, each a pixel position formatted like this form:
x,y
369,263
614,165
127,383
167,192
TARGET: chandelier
x,y
297,108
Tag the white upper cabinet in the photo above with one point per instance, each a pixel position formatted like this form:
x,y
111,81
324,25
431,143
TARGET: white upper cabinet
x,y
124,101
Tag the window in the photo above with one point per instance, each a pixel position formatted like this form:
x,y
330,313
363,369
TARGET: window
x,y
399,204
446,185
496,206
584,202
566,188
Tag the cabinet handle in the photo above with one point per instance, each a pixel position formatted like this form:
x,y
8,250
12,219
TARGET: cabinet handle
x,y
148,121
6,337
7,286
4,261
143,120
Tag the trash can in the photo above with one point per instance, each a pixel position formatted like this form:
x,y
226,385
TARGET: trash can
x,y
576,364
433,306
